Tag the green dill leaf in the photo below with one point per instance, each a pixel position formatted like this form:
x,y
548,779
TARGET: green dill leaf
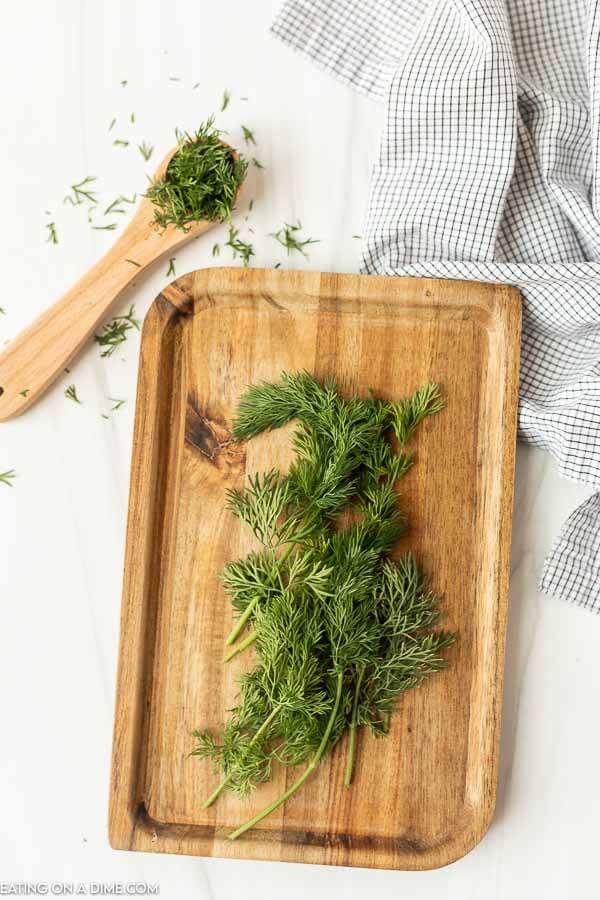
x,y
8,477
110,227
256,163
119,142
24,392
248,135
81,191
225,100
171,269
134,263
239,247
113,122
288,237
115,332
52,233
146,150
71,394
216,250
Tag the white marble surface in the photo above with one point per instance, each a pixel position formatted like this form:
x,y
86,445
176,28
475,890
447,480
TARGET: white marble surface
x,y
62,524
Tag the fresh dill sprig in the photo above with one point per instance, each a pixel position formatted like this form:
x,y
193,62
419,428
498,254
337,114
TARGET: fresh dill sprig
x,y
201,182
115,332
8,477
288,237
171,269
146,150
81,192
225,100
115,207
341,630
71,394
248,135
52,233
239,247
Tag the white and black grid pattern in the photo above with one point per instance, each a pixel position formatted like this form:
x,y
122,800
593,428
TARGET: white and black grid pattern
x,y
489,169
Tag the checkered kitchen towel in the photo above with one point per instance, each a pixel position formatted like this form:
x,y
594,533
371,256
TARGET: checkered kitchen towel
x,y
489,169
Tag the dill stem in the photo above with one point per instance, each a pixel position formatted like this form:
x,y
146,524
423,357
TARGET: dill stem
x,y
257,734
302,778
241,622
239,648
353,730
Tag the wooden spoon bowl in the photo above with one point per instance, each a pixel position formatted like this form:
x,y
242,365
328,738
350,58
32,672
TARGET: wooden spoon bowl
x,y
37,356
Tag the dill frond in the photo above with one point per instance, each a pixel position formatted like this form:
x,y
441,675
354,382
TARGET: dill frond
x,y
115,332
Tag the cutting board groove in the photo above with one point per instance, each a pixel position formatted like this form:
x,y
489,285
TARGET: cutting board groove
x,y
425,795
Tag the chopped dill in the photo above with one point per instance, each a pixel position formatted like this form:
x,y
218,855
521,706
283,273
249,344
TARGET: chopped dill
x,y
257,164
120,143
225,100
239,248
24,392
117,404
110,227
71,394
216,250
201,182
52,233
250,205
81,191
132,118
248,135
115,207
124,83
288,237
171,269
115,332
146,150
195,86
174,78
113,122
8,477
134,263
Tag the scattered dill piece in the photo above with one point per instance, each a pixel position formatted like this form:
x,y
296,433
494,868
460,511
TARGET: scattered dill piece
x,y
132,118
115,332
134,263
24,392
341,629
195,86
81,191
146,150
174,78
8,477
277,265
125,199
113,122
357,236
110,227
239,247
2,311
52,233
225,100
216,250
104,416
124,83
120,143
288,237
243,98
248,135
117,404
171,269
201,182
71,394
250,205
256,163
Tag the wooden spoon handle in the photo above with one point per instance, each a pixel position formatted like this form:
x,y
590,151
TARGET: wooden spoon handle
x,y
41,352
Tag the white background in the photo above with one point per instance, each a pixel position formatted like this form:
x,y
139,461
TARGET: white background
x,y
62,523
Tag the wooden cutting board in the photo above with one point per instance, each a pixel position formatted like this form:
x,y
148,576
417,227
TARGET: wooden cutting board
x,y
425,795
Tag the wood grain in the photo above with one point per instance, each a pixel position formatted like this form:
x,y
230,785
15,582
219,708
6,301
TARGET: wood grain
x,y
425,795
39,354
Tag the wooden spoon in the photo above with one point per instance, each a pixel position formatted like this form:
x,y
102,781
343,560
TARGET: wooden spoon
x,y
35,358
